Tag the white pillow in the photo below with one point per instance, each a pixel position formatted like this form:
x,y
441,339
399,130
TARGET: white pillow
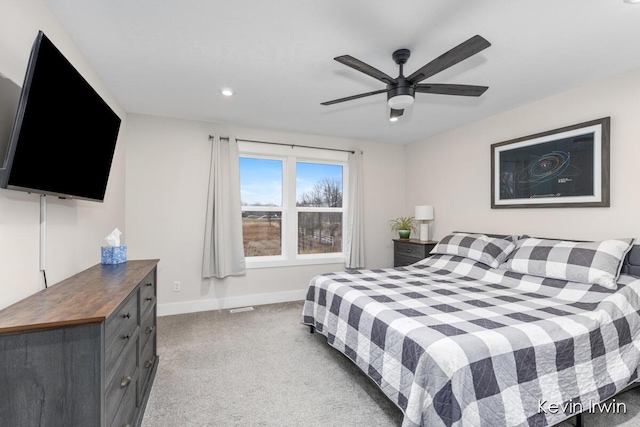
x,y
585,262
491,251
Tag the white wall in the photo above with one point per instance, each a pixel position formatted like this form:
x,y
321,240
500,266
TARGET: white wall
x,y
75,229
455,170
167,177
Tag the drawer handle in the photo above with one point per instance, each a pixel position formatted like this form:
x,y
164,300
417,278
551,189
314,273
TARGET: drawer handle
x,y
408,250
149,329
149,298
126,316
126,337
125,381
149,284
148,364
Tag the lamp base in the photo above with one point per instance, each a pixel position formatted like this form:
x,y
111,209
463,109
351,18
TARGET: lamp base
x,y
424,231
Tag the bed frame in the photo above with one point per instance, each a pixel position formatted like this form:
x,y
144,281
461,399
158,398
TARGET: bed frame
x,y
630,266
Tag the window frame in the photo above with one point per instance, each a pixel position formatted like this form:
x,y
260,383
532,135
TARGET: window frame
x,y
289,226
281,209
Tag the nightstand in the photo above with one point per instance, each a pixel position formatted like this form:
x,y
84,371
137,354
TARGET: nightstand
x,y
407,252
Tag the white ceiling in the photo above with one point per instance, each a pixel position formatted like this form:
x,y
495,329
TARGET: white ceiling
x,y
170,57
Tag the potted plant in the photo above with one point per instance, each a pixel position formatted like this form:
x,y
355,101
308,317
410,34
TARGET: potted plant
x,y
404,226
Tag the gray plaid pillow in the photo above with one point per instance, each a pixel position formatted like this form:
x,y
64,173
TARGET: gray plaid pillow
x,y
585,262
478,247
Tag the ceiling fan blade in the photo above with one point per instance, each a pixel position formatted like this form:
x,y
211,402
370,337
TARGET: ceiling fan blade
x,y
395,113
356,64
349,98
459,53
447,89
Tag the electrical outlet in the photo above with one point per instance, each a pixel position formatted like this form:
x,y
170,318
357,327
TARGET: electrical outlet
x,y
176,286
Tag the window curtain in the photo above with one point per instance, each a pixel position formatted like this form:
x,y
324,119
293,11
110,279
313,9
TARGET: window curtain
x,y
223,249
354,243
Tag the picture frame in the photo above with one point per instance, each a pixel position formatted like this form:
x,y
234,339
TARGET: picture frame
x,y
560,168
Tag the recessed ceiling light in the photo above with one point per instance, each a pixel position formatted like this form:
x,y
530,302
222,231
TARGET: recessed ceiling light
x,y
226,91
632,1
393,119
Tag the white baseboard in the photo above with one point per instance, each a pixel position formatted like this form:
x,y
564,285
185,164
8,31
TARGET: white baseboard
x,y
231,302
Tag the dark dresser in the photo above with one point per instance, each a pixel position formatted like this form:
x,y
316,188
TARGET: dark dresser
x,y
82,352
407,252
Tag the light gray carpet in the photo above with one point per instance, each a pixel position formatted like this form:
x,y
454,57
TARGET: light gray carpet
x,y
264,368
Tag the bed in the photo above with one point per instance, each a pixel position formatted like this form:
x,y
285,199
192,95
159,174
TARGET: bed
x,y
464,339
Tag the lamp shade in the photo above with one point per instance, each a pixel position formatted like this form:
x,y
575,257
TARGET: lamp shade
x,y
424,213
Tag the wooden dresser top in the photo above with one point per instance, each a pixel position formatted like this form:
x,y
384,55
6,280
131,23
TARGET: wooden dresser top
x,y
87,297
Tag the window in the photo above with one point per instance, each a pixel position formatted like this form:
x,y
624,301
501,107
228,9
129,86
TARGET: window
x,y
261,198
293,205
319,206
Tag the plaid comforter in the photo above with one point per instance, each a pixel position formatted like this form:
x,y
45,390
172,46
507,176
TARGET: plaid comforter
x,y
454,342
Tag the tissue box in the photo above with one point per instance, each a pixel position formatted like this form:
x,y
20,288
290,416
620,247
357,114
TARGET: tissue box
x,y
113,254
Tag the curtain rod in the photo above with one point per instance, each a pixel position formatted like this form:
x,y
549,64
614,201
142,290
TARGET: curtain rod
x,y
286,145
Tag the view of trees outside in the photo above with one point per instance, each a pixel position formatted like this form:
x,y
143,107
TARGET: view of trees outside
x,y
321,232
317,186
326,193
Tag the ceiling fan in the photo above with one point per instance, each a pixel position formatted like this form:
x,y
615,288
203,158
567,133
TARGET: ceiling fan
x,y
401,90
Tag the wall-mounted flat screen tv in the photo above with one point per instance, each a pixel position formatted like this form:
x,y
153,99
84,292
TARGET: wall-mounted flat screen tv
x,y
64,134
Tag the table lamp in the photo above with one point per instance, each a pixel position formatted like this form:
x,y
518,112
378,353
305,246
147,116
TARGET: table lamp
x,y
424,214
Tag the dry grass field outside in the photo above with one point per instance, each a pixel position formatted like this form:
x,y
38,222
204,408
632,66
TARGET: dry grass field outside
x,y
263,237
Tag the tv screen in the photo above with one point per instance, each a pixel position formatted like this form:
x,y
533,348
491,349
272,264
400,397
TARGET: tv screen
x,y
64,134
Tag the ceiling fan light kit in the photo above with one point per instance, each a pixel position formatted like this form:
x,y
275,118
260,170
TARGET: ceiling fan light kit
x,y
401,90
400,102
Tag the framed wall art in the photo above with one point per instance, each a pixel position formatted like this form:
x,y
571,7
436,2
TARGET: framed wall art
x,y
566,167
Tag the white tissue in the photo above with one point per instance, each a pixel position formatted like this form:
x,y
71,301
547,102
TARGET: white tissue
x,y
113,239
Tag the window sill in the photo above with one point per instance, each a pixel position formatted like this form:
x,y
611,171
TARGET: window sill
x,y
252,263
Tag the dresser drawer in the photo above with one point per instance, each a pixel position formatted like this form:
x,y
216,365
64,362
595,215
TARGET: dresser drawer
x,y
148,328
147,293
125,377
119,338
125,414
410,250
120,346
147,361
125,318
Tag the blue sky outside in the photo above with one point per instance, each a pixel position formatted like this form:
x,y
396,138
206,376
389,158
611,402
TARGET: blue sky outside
x,y
261,179
308,174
